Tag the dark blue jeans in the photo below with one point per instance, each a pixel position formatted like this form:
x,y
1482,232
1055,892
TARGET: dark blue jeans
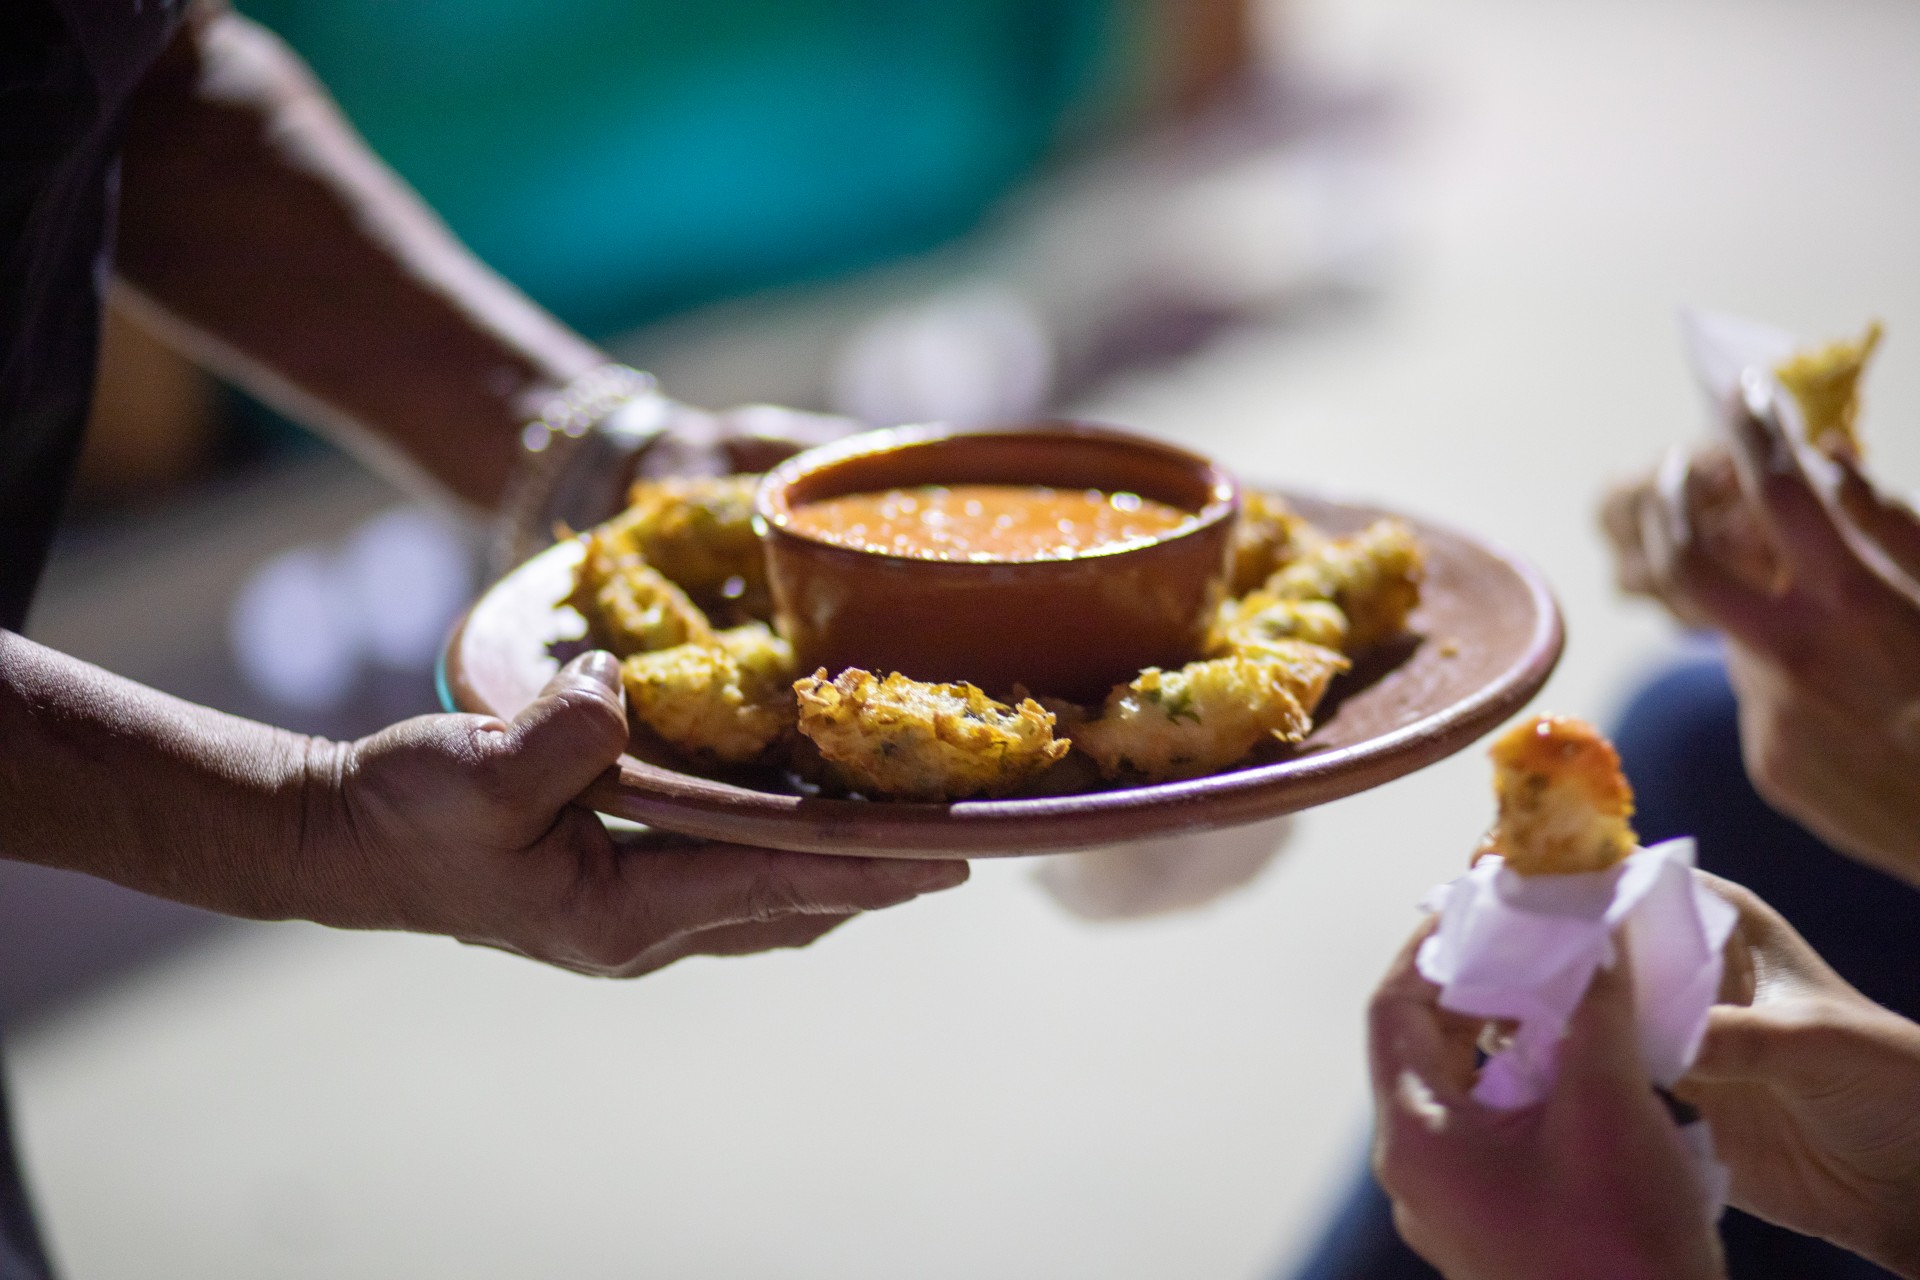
x,y
1680,743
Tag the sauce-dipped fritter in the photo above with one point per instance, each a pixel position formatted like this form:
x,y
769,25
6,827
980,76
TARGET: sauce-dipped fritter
x,y
1564,804
729,700
911,740
1208,715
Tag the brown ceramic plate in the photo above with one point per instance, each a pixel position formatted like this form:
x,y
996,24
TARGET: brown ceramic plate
x,y
1485,638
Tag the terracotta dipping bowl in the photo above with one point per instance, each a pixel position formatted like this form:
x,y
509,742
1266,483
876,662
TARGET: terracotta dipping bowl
x,y
1070,628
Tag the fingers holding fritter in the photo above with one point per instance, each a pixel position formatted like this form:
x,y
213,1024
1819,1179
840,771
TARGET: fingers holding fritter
x,y
1374,576
1208,715
629,606
906,739
730,700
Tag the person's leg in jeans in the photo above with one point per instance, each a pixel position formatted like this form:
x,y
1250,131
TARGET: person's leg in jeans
x,y
1679,742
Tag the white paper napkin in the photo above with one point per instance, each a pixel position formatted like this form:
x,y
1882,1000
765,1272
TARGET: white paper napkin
x,y
1524,948
1721,347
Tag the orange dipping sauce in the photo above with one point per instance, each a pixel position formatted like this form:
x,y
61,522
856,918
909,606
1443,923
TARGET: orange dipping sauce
x,y
987,522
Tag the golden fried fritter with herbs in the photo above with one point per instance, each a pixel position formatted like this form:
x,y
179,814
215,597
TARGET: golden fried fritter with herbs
x,y
1208,715
1252,625
908,740
1564,803
699,533
1825,381
729,700
629,606
1266,537
1306,667
1374,576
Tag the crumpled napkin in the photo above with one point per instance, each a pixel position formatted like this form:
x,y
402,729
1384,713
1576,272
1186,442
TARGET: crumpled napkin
x,y
1720,348
1524,948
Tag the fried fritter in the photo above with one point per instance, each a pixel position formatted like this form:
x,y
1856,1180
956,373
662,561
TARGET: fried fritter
x,y
1251,625
629,606
729,700
908,740
1564,803
1374,576
1266,537
1306,668
1208,715
699,533
1826,383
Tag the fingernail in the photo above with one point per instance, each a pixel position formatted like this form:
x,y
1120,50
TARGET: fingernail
x,y
599,667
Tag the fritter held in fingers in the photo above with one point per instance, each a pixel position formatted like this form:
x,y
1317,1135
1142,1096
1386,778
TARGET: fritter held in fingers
x,y
908,740
729,700
699,533
1374,576
1564,804
629,606
1825,381
1208,715
1267,537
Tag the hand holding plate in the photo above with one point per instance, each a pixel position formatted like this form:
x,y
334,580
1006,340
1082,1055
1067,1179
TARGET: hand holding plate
x,y
465,825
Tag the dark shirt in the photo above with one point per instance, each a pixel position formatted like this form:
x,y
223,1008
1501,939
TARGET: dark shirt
x,y
67,70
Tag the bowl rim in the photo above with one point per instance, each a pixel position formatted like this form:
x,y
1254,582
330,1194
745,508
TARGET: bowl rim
x,y
772,513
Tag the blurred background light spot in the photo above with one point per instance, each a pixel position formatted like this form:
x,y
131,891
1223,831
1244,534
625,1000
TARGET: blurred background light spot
x,y
309,619
293,640
971,355
406,574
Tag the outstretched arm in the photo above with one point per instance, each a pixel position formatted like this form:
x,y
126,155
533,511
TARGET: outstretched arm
x,y
266,238
451,824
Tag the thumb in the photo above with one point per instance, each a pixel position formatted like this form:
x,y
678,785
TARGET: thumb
x,y
570,734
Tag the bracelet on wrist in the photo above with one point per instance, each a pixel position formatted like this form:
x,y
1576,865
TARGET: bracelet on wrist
x,y
574,457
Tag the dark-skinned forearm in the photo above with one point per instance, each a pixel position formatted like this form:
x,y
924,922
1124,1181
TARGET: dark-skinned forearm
x,y
101,775
277,248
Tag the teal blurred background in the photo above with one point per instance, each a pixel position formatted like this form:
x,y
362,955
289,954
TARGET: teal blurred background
x,y
624,159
